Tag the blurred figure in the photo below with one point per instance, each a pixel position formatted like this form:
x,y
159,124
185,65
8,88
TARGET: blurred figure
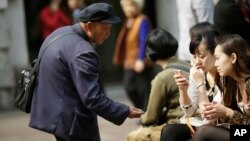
x,y
191,12
76,6
130,52
229,19
53,17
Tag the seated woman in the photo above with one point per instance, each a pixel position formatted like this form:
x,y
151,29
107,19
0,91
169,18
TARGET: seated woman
x,y
232,61
161,49
202,74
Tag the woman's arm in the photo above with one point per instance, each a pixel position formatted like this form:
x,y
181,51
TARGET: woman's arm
x,y
238,118
199,77
216,111
188,94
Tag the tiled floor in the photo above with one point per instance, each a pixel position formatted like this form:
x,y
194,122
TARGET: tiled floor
x,y
13,125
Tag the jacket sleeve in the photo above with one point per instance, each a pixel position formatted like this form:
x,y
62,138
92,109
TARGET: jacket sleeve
x,y
239,119
143,33
193,94
85,75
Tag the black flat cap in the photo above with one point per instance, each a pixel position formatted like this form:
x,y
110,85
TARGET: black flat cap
x,y
99,12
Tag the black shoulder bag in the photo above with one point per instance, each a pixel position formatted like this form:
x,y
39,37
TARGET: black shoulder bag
x,y
27,81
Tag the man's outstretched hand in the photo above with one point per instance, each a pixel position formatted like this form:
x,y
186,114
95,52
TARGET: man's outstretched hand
x,y
135,113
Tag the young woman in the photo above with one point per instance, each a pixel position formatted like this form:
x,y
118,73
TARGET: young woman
x,y
203,73
232,61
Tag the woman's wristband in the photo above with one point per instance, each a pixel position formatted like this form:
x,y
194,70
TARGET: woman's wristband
x,y
201,84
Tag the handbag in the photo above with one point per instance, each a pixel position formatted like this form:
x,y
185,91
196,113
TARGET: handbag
x,y
27,81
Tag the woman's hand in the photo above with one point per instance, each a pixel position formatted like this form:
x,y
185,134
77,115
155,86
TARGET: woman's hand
x,y
213,111
198,75
180,80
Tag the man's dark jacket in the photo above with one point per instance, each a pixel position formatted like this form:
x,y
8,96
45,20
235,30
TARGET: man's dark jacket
x,y
68,96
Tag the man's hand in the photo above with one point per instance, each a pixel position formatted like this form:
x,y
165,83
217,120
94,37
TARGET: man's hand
x,y
135,113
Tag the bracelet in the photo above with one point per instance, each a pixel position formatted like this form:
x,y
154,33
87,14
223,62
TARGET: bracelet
x,y
202,83
187,106
246,107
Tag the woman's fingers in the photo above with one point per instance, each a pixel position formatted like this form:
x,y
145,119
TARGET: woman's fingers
x,y
181,81
210,111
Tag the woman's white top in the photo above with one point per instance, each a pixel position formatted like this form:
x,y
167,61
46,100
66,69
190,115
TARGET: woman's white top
x,y
192,110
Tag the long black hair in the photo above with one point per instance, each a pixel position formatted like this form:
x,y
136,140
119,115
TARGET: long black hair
x,y
235,44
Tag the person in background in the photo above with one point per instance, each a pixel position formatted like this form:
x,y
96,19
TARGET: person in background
x,y
202,48
76,6
68,95
130,52
53,17
233,17
232,62
163,106
191,12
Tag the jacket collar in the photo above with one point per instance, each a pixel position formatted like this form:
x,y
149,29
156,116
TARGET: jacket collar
x,y
171,60
80,31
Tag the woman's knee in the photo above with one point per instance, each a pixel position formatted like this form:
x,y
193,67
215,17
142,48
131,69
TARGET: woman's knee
x,y
211,132
172,132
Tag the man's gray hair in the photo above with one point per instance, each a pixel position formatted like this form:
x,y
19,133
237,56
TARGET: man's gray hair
x,y
140,3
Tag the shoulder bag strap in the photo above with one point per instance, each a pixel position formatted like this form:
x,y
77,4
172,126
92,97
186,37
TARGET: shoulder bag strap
x,y
37,61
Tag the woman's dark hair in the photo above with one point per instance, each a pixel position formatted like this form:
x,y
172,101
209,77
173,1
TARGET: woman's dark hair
x,y
207,34
202,27
234,44
160,45
208,38
200,32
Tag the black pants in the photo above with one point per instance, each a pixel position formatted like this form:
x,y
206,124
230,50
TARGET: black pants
x,y
175,132
211,133
181,132
137,86
59,139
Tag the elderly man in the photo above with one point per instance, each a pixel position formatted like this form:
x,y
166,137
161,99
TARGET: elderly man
x,y
68,96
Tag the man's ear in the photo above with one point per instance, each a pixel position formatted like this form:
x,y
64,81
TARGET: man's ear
x,y
233,58
87,27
